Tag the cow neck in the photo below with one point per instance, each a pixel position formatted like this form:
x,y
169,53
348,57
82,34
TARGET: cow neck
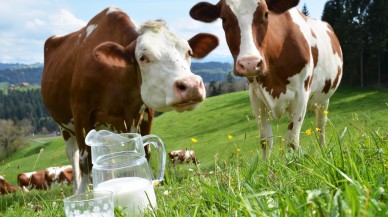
x,y
282,39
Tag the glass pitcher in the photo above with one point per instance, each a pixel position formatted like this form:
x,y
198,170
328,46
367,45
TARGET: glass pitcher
x,y
104,143
120,166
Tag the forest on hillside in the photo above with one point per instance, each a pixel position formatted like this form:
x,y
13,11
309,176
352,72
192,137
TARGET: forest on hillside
x,y
362,28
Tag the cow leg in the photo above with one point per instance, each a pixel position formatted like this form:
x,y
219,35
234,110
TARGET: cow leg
x,y
265,129
321,120
85,166
266,134
73,155
296,114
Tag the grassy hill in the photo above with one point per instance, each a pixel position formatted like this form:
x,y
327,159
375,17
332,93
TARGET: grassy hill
x,y
231,114
349,178
215,119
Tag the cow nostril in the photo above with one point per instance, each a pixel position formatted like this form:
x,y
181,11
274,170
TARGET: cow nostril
x,y
259,64
241,65
181,86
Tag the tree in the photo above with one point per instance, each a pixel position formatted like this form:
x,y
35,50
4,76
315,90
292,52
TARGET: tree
x,y
305,11
11,137
212,89
377,24
230,82
348,18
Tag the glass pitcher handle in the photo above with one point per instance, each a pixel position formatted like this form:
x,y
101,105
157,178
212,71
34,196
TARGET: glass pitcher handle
x,y
158,144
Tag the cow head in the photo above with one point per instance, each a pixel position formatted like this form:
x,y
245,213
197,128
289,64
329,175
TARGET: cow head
x,y
164,61
245,23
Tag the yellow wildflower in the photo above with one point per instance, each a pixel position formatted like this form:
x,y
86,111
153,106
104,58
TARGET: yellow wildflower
x,y
309,132
317,129
326,112
194,140
238,150
230,137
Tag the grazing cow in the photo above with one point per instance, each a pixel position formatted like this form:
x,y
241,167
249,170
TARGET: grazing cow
x,y
293,63
53,173
39,180
6,187
110,75
66,176
24,179
182,156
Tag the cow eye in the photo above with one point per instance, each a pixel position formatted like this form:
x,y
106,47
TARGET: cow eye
x,y
144,59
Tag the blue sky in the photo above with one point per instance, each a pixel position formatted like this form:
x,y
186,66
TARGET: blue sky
x,y
26,24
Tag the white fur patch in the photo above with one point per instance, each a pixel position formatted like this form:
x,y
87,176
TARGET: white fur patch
x,y
112,10
244,10
90,29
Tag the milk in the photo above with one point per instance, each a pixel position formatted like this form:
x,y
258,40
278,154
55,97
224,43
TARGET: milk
x,y
130,192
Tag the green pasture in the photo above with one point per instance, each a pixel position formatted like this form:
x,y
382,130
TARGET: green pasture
x,y
349,177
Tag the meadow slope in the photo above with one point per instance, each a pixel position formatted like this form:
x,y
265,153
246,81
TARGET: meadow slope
x,y
347,178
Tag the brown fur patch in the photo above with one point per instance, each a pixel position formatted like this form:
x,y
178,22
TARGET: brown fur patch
x,y
327,86
291,126
307,83
337,78
315,53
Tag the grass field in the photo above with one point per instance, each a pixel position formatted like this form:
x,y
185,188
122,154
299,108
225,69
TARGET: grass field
x,y
347,178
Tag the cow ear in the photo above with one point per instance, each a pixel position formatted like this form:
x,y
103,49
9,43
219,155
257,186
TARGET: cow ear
x,y
281,6
205,12
202,44
111,54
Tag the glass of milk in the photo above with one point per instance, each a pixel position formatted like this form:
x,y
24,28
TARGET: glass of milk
x,y
128,176
92,203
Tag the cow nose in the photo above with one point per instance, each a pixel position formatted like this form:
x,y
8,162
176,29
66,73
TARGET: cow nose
x,y
189,87
249,65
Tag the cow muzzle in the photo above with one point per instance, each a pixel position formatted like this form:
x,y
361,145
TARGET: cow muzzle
x,y
250,66
189,92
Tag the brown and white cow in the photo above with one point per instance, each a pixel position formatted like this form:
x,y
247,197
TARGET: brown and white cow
x,y
66,176
40,180
53,173
112,75
24,179
182,156
6,187
293,62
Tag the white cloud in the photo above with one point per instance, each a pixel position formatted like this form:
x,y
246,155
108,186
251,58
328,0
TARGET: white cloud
x,y
35,23
26,24
65,22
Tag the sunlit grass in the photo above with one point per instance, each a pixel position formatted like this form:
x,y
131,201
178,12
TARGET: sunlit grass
x,y
348,177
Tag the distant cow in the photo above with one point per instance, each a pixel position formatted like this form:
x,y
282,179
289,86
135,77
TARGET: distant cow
x,y
293,63
53,173
39,180
182,156
24,179
66,176
112,75
6,187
